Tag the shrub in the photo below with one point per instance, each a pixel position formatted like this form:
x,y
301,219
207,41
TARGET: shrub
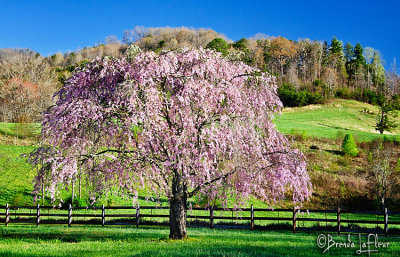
x,y
288,95
292,98
344,93
349,146
78,202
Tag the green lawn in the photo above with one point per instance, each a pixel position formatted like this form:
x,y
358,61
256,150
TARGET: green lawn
x,y
336,118
22,130
16,175
24,241
333,119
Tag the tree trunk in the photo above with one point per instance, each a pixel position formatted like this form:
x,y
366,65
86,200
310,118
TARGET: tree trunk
x,y
80,189
177,219
73,193
177,212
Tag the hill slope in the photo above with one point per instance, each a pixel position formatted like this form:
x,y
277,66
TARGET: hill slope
x,y
318,132
334,119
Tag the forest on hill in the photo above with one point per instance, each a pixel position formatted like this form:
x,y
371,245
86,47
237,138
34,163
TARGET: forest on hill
x,y
307,71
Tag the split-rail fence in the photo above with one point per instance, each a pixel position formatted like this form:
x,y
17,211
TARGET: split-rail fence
x,y
293,219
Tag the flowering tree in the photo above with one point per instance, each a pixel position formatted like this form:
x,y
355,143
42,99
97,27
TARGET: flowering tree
x,y
182,123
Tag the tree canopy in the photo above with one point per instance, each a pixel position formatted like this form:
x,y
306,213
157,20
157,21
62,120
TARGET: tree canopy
x,y
182,123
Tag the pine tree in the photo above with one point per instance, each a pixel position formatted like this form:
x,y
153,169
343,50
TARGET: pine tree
x,y
384,121
348,52
348,55
336,46
349,146
358,55
325,54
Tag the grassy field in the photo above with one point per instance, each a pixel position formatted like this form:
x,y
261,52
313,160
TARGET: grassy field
x,y
332,120
24,241
16,175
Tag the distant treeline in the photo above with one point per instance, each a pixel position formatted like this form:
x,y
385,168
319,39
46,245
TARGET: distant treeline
x,y
307,71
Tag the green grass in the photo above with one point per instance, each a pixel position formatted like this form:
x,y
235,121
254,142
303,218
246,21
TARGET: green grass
x,y
16,175
330,120
24,241
18,130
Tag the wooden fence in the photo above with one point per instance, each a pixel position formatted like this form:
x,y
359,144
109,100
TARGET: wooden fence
x,y
292,218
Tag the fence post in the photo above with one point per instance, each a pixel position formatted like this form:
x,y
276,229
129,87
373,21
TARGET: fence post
x,y
38,215
7,214
69,215
103,215
252,218
386,221
211,216
137,215
338,219
294,219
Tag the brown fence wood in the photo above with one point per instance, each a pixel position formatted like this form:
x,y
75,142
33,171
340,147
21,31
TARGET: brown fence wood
x,y
211,217
137,215
7,214
338,220
294,219
69,215
38,215
252,218
19,215
386,217
103,215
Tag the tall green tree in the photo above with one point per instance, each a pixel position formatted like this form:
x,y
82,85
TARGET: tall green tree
x,y
348,56
348,52
358,55
336,59
219,45
384,120
336,46
241,44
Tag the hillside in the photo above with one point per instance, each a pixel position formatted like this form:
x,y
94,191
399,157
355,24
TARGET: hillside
x,y
332,120
317,130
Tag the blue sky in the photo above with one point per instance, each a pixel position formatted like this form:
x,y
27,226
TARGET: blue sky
x,y
52,26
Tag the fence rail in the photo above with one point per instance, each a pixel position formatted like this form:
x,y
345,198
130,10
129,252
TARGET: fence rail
x,y
290,217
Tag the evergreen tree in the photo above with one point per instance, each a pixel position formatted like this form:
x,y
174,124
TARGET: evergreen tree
x,y
325,54
384,121
336,46
349,146
358,55
348,52
336,58
348,55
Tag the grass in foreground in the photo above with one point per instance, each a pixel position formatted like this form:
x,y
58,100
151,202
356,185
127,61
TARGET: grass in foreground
x,y
26,241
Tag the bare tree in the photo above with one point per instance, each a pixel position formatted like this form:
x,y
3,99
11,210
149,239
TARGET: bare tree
x,y
383,162
112,40
28,83
368,56
134,35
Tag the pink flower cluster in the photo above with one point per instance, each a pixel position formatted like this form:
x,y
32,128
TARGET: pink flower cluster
x,y
188,116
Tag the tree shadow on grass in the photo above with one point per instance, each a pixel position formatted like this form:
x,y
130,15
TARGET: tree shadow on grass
x,y
76,234
341,153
